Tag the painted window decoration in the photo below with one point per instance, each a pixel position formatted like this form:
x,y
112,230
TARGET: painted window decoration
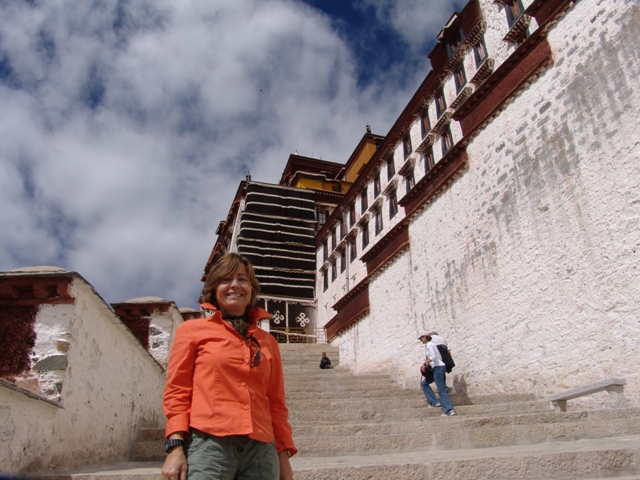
x,y
428,160
365,234
480,52
376,185
447,141
393,204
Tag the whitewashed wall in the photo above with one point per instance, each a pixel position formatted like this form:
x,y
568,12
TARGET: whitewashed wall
x,y
528,262
110,388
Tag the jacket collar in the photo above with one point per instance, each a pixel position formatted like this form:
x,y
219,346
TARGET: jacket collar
x,y
255,314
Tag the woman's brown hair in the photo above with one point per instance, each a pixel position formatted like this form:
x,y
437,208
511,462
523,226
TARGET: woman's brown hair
x,y
224,268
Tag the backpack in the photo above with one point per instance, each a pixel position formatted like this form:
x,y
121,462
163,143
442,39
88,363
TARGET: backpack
x,y
446,358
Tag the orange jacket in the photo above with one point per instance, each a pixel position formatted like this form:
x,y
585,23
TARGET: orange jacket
x,y
211,387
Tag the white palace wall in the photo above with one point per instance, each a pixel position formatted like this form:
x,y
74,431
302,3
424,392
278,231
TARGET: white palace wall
x,y
110,388
527,263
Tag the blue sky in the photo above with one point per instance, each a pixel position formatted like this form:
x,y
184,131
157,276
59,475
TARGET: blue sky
x,y
127,125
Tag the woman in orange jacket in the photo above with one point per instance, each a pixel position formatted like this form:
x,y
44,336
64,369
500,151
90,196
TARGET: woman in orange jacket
x,y
224,398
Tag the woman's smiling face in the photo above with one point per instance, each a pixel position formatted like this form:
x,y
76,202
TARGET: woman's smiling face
x,y
234,292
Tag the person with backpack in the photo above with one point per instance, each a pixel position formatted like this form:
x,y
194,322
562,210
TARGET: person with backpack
x,y
434,359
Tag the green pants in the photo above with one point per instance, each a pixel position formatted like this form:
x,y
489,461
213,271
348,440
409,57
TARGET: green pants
x,y
236,457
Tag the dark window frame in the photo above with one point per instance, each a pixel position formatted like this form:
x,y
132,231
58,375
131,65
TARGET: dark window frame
x,y
364,201
460,78
379,224
377,188
480,52
454,42
441,103
352,215
391,169
447,141
364,228
393,203
406,146
429,160
425,124
410,180
353,250
514,10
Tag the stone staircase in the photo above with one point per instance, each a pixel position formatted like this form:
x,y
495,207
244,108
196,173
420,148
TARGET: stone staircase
x,y
366,427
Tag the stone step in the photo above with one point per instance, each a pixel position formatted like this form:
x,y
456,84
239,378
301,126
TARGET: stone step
x,y
452,433
582,459
374,412
441,433
586,459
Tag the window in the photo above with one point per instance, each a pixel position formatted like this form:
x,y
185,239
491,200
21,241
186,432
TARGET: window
x,y
364,201
514,9
447,141
454,42
352,249
325,280
376,185
325,250
322,214
460,78
365,234
393,204
425,124
428,160
333,239
378,220
410,180
480,52
343,260
441,104
406,146
343,227
334,271
391,169
352,215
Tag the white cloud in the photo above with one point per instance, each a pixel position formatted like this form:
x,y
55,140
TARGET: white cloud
x,y
417,21
127,126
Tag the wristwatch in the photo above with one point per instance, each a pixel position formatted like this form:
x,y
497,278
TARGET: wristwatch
x,y
171,443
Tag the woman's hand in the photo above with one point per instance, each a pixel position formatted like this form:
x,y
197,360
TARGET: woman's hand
x,y
175,466
286,472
